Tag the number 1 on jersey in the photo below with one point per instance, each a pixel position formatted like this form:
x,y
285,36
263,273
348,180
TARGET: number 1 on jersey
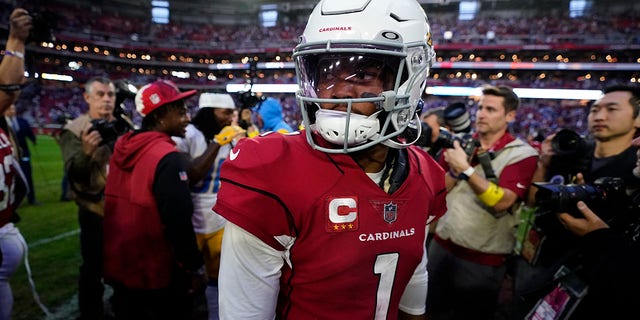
x,y
385,267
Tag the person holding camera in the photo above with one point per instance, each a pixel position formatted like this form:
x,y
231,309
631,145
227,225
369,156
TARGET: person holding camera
x,y
12,244
151,258
432,121
85,163
611,157
441,125
472,241
610,260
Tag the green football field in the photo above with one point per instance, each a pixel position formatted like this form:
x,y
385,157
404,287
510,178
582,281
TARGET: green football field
x,y
51,233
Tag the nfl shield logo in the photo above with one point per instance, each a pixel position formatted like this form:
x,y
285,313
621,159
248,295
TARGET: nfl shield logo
x,y
390,212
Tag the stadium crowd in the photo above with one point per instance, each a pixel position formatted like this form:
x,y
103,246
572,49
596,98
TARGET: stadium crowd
x,y
506,27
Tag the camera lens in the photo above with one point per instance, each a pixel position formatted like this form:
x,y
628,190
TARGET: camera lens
x,y
566,142
457,117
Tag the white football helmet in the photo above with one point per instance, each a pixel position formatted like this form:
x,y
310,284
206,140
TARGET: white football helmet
x,y
360,39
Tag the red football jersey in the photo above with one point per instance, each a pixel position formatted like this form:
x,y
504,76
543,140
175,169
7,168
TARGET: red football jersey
x,y
356,246
9,173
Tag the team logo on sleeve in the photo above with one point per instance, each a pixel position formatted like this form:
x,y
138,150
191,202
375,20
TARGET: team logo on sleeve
x,y
342,215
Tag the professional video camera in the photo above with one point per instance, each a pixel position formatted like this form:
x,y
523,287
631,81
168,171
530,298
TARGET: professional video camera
x,y
111,130
606,196
572,155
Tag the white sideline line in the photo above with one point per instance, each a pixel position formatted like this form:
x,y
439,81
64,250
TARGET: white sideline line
x,y
69,308
55,238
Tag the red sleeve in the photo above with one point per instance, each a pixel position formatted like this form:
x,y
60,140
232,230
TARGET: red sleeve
x,y
249,209
517,176
248,195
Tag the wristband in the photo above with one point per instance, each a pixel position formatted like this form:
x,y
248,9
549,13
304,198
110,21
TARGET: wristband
x,y
492,195
464,175
16,54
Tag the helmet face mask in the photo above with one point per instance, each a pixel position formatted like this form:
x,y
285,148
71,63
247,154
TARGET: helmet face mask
x,y
371,75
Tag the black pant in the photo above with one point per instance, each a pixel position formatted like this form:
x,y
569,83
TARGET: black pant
x,y
25,165
90,286
171,303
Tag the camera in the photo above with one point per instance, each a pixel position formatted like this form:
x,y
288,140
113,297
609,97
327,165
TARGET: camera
x,y
457,117
43,24
445,139
249,99
467,142
110,130
124,90
607,196
571,155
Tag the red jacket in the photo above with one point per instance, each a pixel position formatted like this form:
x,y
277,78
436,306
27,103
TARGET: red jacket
x,y
136,251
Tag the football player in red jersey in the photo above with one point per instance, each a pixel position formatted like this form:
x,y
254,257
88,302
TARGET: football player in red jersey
x,y
330,222
13,186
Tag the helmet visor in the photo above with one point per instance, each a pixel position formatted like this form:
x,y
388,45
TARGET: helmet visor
x,y
323,74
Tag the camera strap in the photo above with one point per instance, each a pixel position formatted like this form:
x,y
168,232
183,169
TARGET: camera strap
x,y
485,162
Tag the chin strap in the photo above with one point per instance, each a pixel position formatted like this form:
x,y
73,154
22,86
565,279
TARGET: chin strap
x,y
401,145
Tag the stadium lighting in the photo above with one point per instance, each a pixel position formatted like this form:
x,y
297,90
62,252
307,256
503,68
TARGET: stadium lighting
x,y
58,77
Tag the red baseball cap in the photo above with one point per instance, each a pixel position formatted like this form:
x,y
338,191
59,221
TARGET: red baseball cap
x,y
159,93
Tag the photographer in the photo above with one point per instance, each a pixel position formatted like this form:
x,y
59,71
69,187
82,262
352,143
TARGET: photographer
x,y
612,156
467,257
85,163
610,264
432,121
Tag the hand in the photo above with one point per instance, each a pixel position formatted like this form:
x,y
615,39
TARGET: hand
x,y
579,179
582,226
456,158
227,134
198,282
20,24
546,151
90,141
